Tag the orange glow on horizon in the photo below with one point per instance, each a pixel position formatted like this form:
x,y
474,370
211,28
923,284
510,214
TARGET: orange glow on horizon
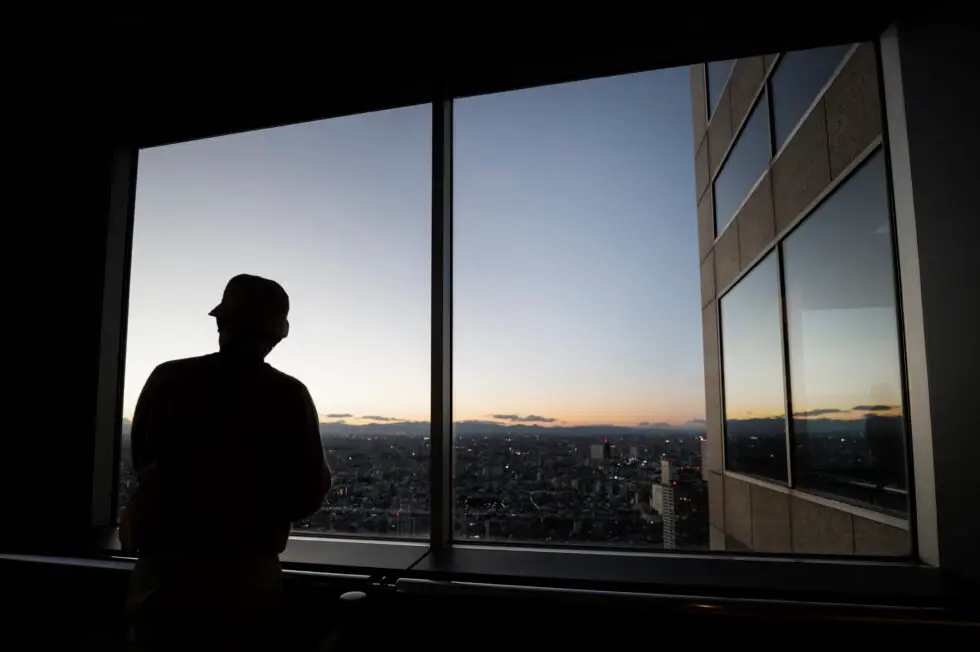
x,y
836,414
550,422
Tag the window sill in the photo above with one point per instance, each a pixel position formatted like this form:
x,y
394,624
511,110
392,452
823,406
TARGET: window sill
x,y
323,555
352,555
468,569
696,579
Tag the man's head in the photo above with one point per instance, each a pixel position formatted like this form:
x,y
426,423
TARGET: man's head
x,y
252,314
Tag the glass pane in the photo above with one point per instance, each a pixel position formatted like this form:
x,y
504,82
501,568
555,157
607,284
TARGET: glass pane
x,y
798,78
577,324
717,72
755,407
743,167
843,344
338,212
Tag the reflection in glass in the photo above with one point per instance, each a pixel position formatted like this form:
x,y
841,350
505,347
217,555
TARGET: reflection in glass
x,y
577,325
717,72
743,167
339,212
798,78
843,346
752,362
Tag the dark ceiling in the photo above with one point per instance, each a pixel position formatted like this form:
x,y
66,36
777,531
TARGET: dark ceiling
x,y
161,72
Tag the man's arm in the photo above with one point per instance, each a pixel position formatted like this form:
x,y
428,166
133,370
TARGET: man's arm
x,y
145,446
145,449
308,472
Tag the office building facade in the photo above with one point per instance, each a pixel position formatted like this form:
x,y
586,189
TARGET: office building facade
x,y
806,400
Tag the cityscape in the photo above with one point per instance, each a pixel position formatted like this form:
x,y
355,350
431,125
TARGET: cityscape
x,y
591,485
642,487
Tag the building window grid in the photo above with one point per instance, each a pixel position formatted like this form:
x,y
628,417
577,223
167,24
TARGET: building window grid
x,y
766,94
442,532
766,90
777,250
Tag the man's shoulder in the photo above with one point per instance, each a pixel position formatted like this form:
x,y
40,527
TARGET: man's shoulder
x,y
184,365
287,382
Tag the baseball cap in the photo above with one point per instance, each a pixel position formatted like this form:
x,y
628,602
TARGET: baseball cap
x,y
256,303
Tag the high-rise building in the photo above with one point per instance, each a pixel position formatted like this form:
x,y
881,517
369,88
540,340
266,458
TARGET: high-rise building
x,y
669,512
798,293
704,459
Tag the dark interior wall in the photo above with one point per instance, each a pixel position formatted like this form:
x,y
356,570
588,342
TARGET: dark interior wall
x,y
52,500
938,76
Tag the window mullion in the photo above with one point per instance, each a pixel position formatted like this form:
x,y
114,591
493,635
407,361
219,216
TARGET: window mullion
x,y
441,428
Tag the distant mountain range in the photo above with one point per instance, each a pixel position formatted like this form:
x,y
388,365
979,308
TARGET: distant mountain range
x,y
489,428
742,426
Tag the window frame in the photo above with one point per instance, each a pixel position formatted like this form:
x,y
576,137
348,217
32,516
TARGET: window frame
x,y
442,559
778,147
772,483
762,98
709,109
885,515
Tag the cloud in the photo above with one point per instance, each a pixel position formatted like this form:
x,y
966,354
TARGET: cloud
x,y
516,418
339,415
698,421
871,408
818,412
643,423
374,417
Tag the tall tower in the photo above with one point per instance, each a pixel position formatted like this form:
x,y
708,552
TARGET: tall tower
x,y
669,510
704,458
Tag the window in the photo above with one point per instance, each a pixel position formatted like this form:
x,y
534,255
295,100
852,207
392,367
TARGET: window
x,y
752,356
718,73
797,80
745,164
578,369
578,377
338,211
843,338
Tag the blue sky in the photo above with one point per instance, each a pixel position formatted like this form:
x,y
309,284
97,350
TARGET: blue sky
x,y
576,272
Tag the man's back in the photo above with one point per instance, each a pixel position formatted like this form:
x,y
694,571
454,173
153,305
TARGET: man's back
x,y
227,453
231,452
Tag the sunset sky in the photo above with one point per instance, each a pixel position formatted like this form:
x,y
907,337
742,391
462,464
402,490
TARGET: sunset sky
x,y
577,295
576,272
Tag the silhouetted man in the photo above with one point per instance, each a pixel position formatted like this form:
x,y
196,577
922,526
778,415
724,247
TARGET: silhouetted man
x,y
227,452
